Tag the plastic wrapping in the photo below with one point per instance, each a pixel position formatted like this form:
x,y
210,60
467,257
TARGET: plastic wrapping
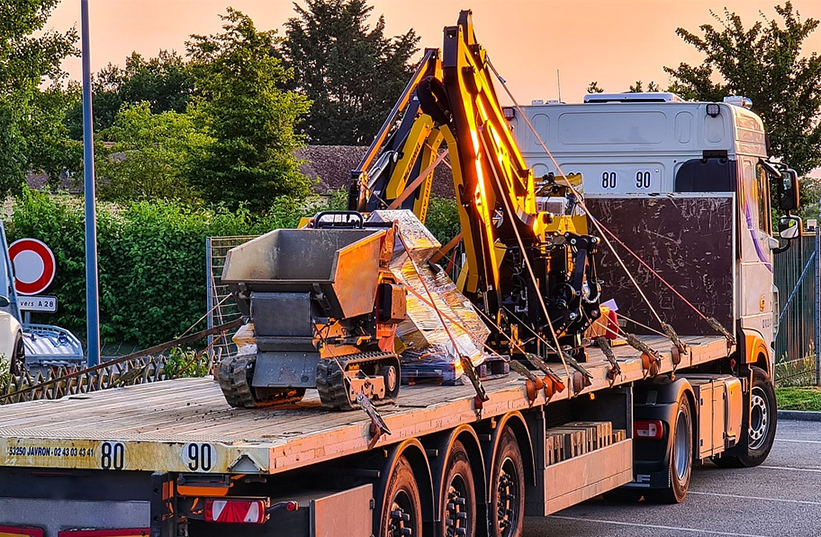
x,y
430,351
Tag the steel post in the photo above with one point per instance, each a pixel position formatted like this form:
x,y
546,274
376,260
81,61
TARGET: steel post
x,y
92,285
817,306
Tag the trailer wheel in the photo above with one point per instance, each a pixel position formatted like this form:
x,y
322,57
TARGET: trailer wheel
x,y
18,357
758,426
507,492
401,504
681,458
458,502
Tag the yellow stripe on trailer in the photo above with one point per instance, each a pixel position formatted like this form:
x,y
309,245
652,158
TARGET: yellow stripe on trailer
x,y
115,455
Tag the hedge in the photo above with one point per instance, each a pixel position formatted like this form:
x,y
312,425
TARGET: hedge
x,y
152,259
152,283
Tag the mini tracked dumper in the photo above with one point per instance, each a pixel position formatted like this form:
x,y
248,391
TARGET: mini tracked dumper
x,y
323,308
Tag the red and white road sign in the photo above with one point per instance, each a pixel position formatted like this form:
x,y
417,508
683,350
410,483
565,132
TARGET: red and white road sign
x,y
34,266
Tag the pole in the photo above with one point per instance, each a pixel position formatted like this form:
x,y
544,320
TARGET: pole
x,y
817,295
92,291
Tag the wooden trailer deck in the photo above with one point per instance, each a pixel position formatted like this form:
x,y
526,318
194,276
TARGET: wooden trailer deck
x,y
185,425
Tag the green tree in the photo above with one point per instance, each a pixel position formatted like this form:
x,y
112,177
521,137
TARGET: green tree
x,y
151,155
239,82
30,119
593,87
164,82
765,63
352,73
638,87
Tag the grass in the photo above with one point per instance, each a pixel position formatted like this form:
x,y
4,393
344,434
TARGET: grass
x,y
792,398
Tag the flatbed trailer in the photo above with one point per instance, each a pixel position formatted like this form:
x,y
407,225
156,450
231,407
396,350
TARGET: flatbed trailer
x,y
154,454
154,420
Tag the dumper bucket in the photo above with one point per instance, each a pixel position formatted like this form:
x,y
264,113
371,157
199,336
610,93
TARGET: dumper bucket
x,y
343,263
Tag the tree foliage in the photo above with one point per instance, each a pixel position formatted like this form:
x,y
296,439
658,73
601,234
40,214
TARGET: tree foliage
x,y
251,117
765,63
151,155
351,72
638,87
32,135
163,81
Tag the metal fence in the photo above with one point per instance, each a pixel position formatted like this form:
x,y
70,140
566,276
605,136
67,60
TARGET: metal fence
x,y
221,307
57,383
796,276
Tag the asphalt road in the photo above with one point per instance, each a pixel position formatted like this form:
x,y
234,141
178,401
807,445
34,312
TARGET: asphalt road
x,y
780,498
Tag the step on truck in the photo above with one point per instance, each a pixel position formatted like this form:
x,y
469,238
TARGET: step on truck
x,y
627,284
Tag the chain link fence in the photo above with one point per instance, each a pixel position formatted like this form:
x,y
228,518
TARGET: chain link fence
x,y
796,276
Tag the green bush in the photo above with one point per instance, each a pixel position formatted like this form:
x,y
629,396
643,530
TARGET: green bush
x,y
443,219
152,262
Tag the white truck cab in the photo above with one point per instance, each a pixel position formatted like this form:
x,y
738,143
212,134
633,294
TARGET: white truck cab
x,y
655,152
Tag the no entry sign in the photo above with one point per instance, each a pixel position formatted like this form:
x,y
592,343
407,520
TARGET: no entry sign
x,y
34,266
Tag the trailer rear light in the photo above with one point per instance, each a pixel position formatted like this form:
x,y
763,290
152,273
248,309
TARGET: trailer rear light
x,y
648,429
8,531
131,532
236,511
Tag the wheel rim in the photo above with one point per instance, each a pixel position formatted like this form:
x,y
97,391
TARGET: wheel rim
x,y
456,515
759,418
400,523
506,504
681,454
391,379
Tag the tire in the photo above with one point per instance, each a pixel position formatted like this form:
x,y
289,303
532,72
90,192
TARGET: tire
x,y
457,505
507,492
758,425
390,373
680,461
18,357
401,513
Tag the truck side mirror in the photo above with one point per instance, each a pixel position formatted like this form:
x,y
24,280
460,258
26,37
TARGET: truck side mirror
x,y
789,227
788,190
4,301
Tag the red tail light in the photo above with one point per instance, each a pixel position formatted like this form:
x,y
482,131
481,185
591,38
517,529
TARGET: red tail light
x,y
648,429
236,511
8,531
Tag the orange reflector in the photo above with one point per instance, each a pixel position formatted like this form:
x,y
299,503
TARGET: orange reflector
x,y
232,511
648,429
8,531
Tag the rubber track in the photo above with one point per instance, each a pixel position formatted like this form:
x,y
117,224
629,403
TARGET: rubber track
x,y
235,381
330,380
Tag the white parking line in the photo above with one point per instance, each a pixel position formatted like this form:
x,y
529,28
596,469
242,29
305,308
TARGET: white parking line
x,y
655,526
817,470
797,441
807,502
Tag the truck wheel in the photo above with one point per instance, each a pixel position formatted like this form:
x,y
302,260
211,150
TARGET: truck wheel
x,y
758,426
401,503
507,492
18,357
680,460
458,501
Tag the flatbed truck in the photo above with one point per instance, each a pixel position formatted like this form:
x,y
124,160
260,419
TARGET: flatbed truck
x,y
174,458
151,458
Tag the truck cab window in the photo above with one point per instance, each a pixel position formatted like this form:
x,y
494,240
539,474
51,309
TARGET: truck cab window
x,y
706,175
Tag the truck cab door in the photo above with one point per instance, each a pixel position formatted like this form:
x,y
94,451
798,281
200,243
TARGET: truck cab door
x,y
755,287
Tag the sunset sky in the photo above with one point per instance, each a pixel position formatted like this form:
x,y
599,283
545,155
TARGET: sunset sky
x,y
614,42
